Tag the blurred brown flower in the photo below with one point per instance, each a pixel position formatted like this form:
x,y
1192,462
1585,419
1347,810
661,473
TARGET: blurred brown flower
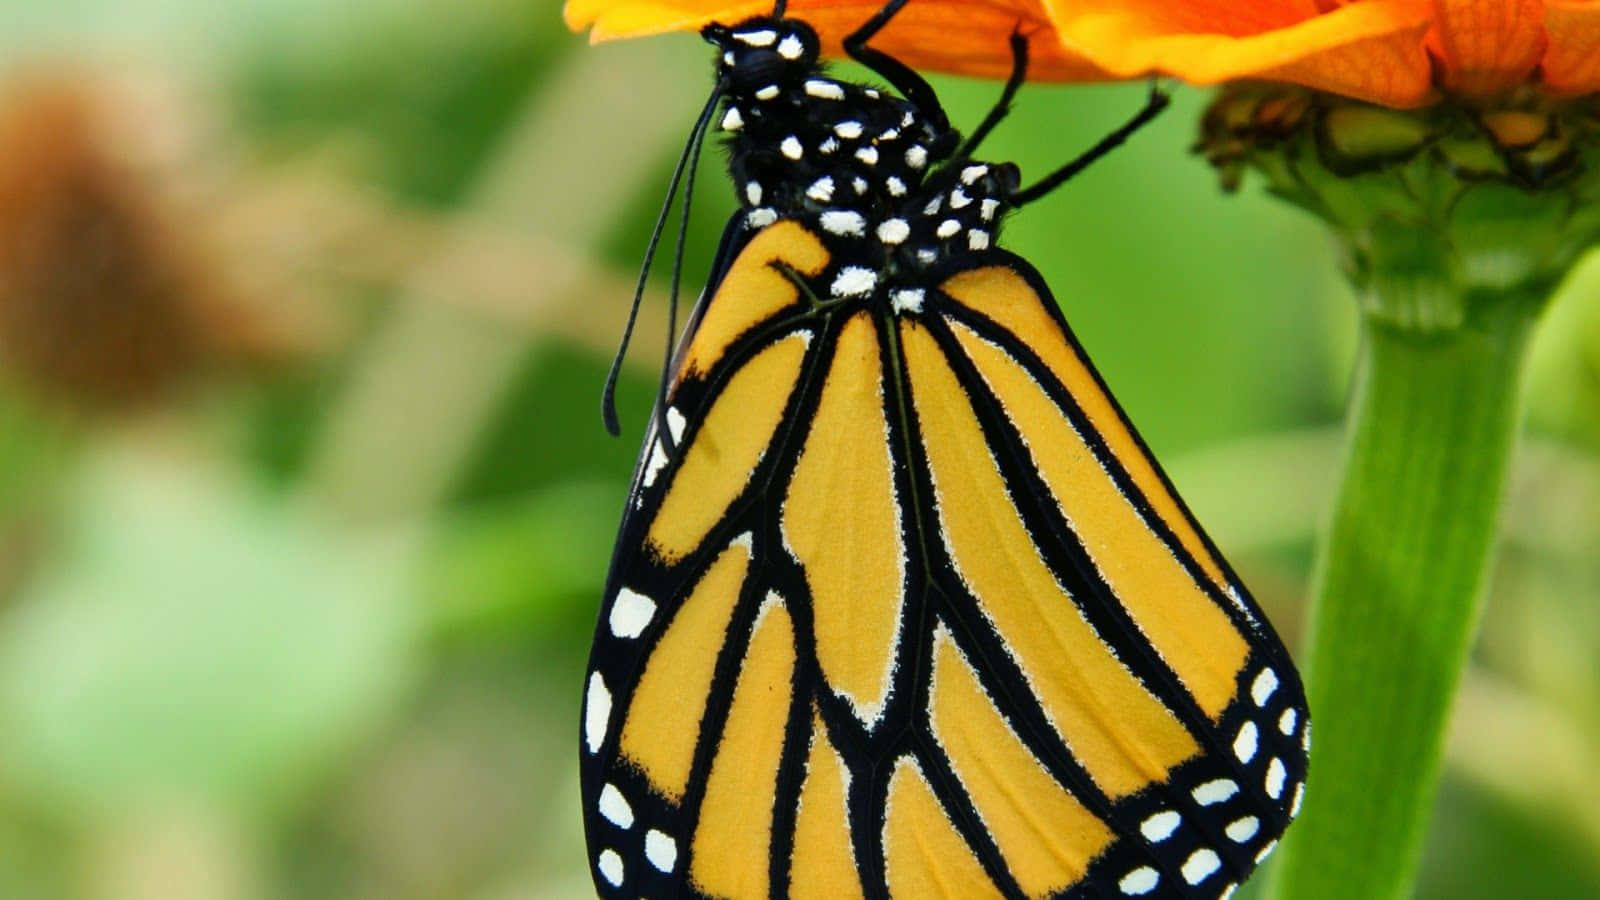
x,y
108,301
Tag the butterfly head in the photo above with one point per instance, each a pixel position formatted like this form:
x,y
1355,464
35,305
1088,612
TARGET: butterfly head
x,y
762,57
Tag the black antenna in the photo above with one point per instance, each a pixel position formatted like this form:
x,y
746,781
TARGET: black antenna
x,y
778,8
663,427
1158,101
608,396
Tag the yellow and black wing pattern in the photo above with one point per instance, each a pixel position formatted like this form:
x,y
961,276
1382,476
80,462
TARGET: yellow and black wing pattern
x,y
901,605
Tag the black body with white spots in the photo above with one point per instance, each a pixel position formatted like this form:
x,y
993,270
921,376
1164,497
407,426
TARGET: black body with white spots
x,y
868,171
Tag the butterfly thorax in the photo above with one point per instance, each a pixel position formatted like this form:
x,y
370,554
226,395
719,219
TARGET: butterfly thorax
x,y
865,170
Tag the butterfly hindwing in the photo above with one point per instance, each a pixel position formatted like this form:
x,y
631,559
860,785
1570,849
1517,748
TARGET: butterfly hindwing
x,y
1129,574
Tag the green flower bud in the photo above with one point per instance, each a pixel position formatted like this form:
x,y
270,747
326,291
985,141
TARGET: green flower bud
x,y
1441,212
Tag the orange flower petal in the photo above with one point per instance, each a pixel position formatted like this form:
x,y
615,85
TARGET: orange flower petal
x,y
963,36
1572,62
610,19
1372,50
1384,51
1487,46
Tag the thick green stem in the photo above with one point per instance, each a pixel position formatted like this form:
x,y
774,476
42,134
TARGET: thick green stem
x,y
1399,591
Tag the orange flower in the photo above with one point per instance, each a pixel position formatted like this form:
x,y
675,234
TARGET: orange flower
x,y
945,35
1393,52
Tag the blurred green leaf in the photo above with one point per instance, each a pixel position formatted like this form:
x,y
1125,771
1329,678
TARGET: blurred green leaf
x,y
426,89
548,430
522,565
190,640
36,449
1481,848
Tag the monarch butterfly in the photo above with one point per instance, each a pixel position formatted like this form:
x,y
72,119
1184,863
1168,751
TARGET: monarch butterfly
x,y
901,606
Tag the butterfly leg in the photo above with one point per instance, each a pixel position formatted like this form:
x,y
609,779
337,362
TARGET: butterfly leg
x,y
905,80
1019,74
1153,106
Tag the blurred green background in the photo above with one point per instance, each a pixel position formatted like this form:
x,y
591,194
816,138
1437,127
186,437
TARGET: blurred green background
x,y
305,504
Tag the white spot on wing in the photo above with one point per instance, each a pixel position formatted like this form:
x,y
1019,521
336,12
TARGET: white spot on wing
x,y
1215,791
596,713
1160,826
631,613
949,228
1200,864
1142,880
790,147
661,850
916,156
849,130
844,222
1299,797
988,207
1288,721
770,92
761,218
675,424
854,281
1275,777
971,174
1266,852
791,48
959,199
610,866
615,807
868,155
897,188
752,193
821,190
1264,685
732,120
977,239
658,461
1241,830
1244,744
